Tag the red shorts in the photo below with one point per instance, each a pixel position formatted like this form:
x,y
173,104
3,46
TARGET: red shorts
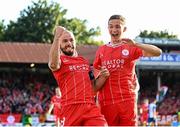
x,y
82,115
57,114
122,114
144,118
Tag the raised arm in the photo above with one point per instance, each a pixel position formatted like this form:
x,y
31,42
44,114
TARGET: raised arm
x,y
54,54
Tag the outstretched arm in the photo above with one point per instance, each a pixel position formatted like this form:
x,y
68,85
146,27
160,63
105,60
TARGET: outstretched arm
x,y
148,50
54,54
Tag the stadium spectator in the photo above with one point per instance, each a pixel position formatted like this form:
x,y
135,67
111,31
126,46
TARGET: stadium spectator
x,y
152,118
72,74
118,96
21,96
55,105
144,112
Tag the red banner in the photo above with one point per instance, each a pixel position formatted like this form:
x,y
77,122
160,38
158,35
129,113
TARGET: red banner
x,y
10,118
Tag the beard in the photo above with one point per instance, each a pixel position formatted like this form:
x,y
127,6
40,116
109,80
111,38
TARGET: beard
x,y
68,53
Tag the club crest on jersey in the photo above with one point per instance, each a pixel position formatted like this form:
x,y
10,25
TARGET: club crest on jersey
x,y
125,52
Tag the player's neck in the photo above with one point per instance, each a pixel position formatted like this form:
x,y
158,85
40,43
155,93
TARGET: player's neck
x,y
75,54
116,41
113,43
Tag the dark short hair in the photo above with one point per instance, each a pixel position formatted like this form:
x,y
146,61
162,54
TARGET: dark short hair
x,y
120,17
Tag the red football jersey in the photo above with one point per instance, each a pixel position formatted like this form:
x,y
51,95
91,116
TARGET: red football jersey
x,y
144,115
73,80
120,61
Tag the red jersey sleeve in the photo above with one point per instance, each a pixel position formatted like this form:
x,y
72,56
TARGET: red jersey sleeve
x,y
97,60
137,52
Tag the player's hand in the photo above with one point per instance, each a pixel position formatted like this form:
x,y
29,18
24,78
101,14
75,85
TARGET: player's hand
x,y
58,32
104,72
128,41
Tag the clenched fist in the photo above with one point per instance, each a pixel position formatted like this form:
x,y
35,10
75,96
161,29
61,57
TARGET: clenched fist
x,y
58,32
104,72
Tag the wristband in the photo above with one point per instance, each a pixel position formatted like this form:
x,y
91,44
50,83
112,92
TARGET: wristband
x,y
91,75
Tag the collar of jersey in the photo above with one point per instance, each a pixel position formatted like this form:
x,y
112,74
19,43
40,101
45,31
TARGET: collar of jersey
x,y
110,44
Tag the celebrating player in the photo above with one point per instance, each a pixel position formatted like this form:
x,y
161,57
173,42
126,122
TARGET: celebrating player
x,y
118,97
71,71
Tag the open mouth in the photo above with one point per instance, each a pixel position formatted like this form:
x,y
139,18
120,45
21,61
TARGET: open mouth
x,y
114,35
69,48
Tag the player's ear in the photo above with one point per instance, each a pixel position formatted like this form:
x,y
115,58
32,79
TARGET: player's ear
x,y
125,28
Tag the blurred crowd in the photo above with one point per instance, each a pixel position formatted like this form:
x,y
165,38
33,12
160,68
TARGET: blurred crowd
x,y
171,102
26,93
29,92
